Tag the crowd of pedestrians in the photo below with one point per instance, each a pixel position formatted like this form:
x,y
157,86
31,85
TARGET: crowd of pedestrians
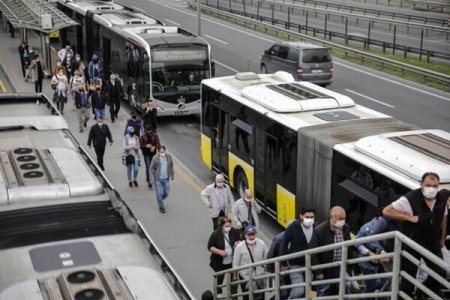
x,y
420,214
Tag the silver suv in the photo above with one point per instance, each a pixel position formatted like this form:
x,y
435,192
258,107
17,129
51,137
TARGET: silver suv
x,y
304,61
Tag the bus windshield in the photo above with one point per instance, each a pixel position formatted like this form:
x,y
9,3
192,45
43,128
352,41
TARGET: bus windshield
x,y
175,78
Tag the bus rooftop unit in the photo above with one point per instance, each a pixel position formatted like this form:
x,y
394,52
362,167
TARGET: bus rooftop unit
x,y
163,63
296,144
65,233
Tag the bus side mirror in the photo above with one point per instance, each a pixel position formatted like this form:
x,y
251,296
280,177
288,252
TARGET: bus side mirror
x,y
213,68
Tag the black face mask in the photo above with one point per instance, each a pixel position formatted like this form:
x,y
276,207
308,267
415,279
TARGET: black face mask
x,y
134,117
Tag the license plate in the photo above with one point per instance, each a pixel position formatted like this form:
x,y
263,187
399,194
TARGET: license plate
x,y
316,71
181,112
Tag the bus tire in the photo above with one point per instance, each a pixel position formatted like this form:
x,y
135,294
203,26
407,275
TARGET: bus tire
x,y
241,183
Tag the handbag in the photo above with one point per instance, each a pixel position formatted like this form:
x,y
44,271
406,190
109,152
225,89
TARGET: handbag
x,y
127,159
258,283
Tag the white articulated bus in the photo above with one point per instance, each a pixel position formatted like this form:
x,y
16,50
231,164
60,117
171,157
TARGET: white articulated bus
x,y
65,233
163,63
296,144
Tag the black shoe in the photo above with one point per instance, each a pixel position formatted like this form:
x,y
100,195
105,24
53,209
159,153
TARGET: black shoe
x,y
150,185
135,183
85,124
130,184
103,168
112,120
162,210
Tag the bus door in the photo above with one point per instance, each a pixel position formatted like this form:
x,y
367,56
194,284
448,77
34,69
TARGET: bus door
x,y
266,147
106,57
219,139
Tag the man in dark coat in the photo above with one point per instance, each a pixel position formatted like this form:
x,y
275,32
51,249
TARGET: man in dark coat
x,y
150,115
114,94
97,136
333,231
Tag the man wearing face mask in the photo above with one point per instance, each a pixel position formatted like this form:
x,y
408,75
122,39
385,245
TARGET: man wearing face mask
x,y
246,211
98,135
251,250
219,199
333,231
297,238
81,105
98,100
424,217
136,123
114,94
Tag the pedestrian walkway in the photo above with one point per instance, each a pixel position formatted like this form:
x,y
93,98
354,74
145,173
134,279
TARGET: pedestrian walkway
x,y
181,233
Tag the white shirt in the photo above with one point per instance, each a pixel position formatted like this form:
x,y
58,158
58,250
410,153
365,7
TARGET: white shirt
x,y
229,258
402,205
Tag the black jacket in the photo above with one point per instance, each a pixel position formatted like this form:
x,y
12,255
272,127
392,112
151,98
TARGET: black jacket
x,y
149,118
294,241
98,99
322,236
114,92
427,232
98,135
217,240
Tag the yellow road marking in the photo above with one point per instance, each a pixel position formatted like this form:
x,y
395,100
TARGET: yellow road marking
x,y
179,170
2,86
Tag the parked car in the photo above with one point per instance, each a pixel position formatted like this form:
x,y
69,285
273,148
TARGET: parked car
x,y
304,61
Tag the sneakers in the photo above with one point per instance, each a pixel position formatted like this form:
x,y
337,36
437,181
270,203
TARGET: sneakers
x,y
162,210
130,184
150,185
135,183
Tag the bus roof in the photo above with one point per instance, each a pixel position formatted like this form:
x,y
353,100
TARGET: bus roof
x,y
293,104
84,6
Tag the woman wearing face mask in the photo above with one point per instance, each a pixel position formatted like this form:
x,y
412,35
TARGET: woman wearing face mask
x,y
251,250
131,155
58,66
221,245
136,123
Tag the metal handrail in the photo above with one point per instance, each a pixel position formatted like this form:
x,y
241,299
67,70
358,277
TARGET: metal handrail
x,y
445,79
397,255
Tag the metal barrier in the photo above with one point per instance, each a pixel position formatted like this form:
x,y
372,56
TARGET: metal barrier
x,y
415,4
402,244
362,55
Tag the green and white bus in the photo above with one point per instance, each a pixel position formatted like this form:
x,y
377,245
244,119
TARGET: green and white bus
x,y
296,144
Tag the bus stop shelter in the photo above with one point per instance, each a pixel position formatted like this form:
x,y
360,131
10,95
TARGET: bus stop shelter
x,y
39,16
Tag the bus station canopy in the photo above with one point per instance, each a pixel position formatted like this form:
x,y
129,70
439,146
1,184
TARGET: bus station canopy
x,y
38,15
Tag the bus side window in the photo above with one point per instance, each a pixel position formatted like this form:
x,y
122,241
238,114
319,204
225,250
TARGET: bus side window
x,y
241,133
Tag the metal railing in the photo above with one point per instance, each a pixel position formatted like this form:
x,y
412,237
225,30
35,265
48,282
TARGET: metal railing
x,y
395,276
414,4
363,56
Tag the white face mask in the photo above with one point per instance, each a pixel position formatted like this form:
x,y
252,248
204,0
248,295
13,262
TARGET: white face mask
x,y
227,229
308,222
100,124
162,154
219,184
339,223
429,192
250,242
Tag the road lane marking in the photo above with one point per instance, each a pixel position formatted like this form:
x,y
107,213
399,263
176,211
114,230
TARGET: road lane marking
x,y
394,82
226,67
370,98
178,24
216,39
2,86
217,23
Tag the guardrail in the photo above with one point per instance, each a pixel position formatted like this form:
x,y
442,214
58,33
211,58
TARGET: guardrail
x,y
427,75
392,275
415,4
364,11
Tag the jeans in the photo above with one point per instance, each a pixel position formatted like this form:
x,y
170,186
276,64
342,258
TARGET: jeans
x,y
332,289
147,160
134,167
99,112
83,116
162,189
372,284
296,277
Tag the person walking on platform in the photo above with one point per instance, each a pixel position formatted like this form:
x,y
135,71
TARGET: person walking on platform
x,y
219,199
114,94
61,90
150,115
131,155
297,238
335,230
36,73
161,171
74,82
98,100
246,210
424,215
97,136
82,105
95,68
59,66
23,49
149,145
136,122
249,251
221,244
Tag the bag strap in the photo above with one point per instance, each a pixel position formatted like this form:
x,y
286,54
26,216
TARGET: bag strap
x,y
253,261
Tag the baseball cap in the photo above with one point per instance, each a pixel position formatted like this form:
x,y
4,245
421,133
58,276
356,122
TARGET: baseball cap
x,y
250,229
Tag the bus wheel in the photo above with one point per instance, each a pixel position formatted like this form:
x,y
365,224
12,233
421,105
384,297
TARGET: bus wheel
x,y
241,183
